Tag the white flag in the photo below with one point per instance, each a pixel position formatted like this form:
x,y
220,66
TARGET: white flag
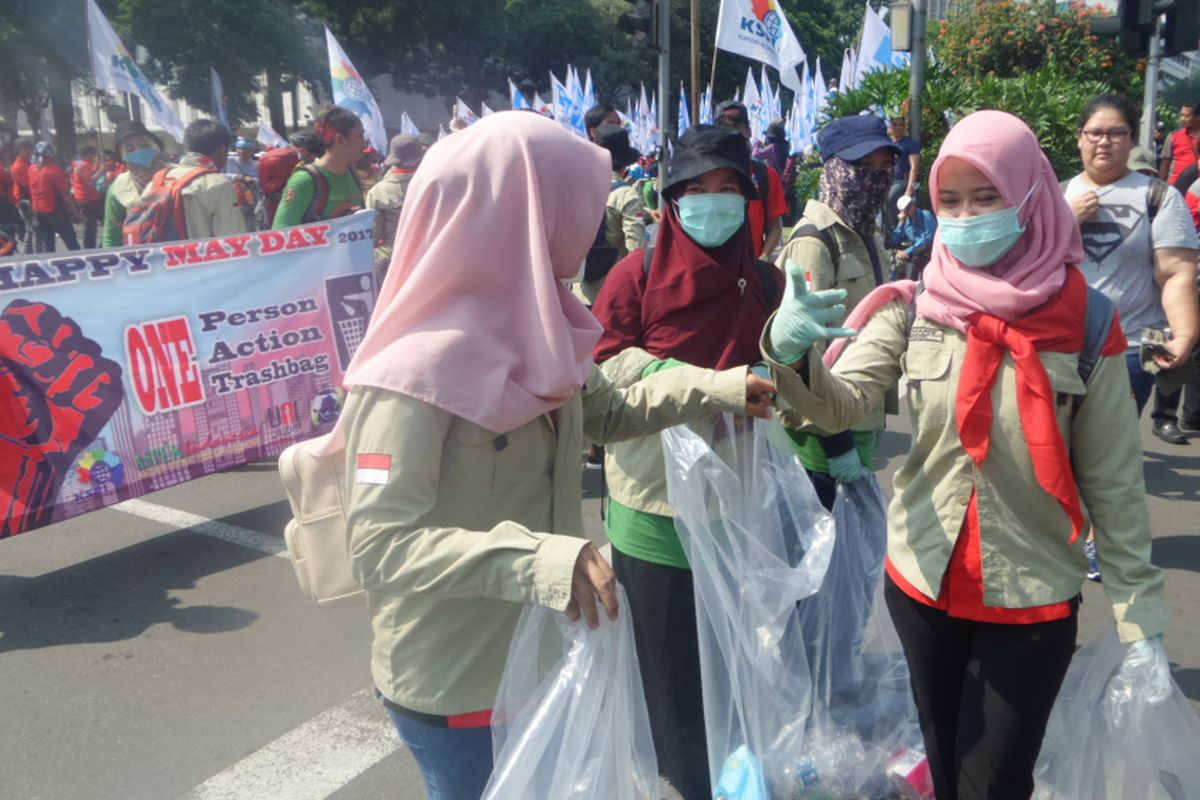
x,y
464,112
820,89
875,47
351,93
752,100
518,99
268,137
485,111
758,29
846,80
442,134
538,104
408,126
114,68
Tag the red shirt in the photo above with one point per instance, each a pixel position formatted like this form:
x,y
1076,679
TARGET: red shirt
x,y
1184,147
962,584
47,184
83,181
20,184
759,212
1193,203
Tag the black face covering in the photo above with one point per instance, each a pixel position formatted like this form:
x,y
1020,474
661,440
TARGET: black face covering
x,y
855,193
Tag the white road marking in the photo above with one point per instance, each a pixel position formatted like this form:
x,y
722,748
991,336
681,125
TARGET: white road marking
x,y
185,520
314,760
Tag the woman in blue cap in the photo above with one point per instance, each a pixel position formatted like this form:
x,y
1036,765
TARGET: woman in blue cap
x,y
838,243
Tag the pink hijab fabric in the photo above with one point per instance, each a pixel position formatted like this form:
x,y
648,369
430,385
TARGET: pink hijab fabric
x,y
1004,149
473,317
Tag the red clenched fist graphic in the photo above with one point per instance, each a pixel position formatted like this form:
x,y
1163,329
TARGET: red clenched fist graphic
x,y
56,392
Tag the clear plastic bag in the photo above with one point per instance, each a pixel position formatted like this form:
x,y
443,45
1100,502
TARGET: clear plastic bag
x,y
1121,728
570,720
805,686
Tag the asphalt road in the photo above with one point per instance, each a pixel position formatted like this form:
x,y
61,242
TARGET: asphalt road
x,y
145,655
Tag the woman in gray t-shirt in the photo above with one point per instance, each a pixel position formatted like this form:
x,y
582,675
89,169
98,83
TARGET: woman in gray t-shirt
x,y
1139,243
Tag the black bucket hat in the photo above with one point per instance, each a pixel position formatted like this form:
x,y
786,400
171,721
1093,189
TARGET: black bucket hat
x,y
130,127
703,148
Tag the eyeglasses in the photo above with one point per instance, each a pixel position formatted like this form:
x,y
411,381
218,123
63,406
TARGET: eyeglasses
x,y
1116,135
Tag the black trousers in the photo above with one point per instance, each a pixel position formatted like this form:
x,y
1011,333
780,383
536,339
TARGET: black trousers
x,y
1166,406
983,693
55,223
663,610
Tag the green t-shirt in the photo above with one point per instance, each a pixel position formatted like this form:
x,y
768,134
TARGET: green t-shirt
x,y
345,196
812,455
650,537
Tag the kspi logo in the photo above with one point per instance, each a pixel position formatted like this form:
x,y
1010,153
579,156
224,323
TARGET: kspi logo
x,y
98,467
768,25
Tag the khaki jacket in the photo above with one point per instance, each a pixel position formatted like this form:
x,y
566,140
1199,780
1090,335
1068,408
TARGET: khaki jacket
x,y
634,469
387,197
854,273
623,226
209,203
1024,532
470,525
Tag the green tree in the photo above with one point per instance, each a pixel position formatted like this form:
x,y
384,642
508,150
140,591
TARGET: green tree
x,y
255,46
1046,85
45,49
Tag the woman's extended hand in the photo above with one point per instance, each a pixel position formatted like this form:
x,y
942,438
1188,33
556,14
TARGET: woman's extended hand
x,y
592,580
760,394
803,318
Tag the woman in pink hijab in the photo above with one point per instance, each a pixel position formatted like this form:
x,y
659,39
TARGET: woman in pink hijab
x,y
1013,437
472,395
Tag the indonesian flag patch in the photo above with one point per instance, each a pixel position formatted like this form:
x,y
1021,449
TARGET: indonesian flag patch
x,y
373,468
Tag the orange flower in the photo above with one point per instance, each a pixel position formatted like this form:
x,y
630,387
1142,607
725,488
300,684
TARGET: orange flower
x,y
1041,28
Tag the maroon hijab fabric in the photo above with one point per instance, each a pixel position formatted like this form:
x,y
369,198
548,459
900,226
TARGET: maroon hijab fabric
x,y
704,306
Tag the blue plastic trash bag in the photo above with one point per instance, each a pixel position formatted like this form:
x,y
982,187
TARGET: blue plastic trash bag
x,y
570,720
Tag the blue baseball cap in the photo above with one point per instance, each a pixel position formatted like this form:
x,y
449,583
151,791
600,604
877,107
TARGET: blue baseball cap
x,y
852,138
243,143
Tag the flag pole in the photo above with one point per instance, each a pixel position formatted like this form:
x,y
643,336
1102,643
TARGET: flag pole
x,y
695,60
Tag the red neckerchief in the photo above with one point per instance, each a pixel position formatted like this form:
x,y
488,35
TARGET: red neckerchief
x,y
1056,326
402,171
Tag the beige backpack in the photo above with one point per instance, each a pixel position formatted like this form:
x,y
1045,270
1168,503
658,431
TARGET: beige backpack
x,y
316,537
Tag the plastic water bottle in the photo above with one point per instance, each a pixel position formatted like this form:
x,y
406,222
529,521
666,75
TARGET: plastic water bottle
x,y
829,770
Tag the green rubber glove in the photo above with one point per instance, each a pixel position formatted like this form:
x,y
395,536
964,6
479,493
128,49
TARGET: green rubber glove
x,y
803,318
846,467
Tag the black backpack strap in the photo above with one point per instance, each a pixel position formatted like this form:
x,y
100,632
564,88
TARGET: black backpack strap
x,y
770,287
1156,193
762,180
824,235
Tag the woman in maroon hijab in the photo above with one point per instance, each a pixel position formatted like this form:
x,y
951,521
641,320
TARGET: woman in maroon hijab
x,y
698,296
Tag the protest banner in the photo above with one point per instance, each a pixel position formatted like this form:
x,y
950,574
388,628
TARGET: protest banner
x,y
128,370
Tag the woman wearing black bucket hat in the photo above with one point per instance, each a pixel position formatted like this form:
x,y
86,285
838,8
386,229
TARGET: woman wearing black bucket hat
x,y
697,296
141,153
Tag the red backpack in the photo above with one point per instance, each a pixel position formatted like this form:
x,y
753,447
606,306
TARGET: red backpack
x,y
275,167
158,215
